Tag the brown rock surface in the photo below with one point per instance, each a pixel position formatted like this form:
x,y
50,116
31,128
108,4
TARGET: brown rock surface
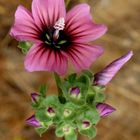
x,y
16,84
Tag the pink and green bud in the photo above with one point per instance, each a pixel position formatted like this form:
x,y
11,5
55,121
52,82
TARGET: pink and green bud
x,y
103,77
33,121
50,111
104,109
67,129
67,112
86,124
75,92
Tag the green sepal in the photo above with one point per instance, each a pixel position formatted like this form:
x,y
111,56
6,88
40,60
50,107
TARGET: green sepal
x,y
88,73
43,90
41,116
50,101
72,78
24,46
59,131
87,113
90,97
41,130
62,99
91,132
69,111
85,80
57,119
71,136
93,115
99,98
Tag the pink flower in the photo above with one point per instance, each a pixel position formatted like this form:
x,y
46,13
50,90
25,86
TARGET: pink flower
x,y
103,77
57,36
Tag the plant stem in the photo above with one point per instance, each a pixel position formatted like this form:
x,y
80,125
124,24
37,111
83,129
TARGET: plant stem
x,y
58,82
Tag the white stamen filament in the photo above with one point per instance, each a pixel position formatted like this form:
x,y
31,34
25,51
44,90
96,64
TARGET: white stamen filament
x,y
59,25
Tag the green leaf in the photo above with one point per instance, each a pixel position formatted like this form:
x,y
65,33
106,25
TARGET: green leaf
x,y
41,130
25,46
71,136
91,132
43,90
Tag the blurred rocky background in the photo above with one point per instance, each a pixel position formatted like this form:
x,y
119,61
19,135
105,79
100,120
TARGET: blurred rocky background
x,y
123,20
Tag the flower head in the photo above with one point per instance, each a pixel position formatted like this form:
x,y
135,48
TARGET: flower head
x,y
103,77
57,36
104,109
33,121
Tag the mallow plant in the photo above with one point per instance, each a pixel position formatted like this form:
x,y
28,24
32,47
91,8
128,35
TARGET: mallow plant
x,y
50,38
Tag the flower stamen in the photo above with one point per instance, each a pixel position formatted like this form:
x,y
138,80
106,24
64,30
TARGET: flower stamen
x,y
59,25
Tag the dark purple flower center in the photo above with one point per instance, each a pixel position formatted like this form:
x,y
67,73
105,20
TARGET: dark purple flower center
x,y
63,41
50,110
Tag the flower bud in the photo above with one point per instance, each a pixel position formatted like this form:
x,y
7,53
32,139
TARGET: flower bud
x,y
104,109
75,92
103,77
50,111
33,121
86,124
34,97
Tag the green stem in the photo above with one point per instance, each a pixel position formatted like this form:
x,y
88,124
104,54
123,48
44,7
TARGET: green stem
x,y
60,92
58,82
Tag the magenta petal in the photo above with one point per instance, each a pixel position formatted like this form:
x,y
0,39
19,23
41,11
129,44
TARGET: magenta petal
x,y
33,121
105,109
47,12
42,58
80,26
103,77
24,28
82,55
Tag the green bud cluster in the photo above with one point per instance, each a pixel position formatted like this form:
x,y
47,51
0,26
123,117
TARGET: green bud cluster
x,y
72,112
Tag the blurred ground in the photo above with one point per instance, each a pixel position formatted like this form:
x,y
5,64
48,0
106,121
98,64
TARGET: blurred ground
x,y
122,19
